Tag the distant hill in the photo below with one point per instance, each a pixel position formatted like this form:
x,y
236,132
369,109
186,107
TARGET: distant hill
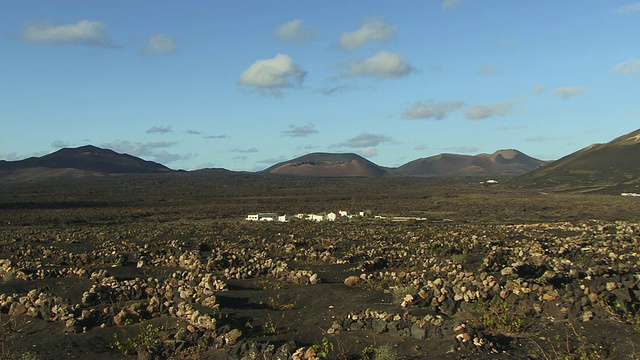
x,y
77,162
501,162
328,165
615,163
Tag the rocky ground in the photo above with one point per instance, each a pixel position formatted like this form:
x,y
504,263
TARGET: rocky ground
x,y
153,283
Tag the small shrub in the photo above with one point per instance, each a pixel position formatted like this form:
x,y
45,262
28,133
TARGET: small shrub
x,y
498,318
385,352
400,292
323,350
274,303
148,338
381,352
271,327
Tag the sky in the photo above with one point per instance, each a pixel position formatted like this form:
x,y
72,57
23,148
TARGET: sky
x,y
243,85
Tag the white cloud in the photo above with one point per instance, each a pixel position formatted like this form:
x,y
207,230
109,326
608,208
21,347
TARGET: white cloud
x,y
165,157
631,8
369,151
300,131
629,67
364,144
159,44
148,150
381,65
274,73
9,156
84,32
294,31
447,4
159,130
375,29
431,110
364,140
485,111
567,92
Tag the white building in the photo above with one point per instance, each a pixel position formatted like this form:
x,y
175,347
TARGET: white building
x,y
332,216
262,217
315,217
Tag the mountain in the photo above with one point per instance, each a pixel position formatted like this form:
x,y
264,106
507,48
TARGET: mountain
x,y
82,160
501,162
328,165
614,163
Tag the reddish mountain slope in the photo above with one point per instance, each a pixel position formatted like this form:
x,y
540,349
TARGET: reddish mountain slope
x,y
328,165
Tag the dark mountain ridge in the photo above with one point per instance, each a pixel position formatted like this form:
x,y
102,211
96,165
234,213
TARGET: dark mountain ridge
x,y
611,164
87,158
614,163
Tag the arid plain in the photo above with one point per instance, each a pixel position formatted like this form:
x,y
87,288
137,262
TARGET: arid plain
x,y
161,266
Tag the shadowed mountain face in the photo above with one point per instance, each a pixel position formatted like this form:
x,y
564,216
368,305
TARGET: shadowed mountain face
x,y
85,159
614,163
502,162
328,165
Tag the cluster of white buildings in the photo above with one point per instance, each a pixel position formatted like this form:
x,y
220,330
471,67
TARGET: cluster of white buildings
x,y
631,194
332,216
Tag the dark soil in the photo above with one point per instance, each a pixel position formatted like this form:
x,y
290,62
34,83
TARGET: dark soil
x,y
77,254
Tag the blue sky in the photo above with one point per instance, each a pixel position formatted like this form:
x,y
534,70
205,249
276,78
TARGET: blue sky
x,y
245,84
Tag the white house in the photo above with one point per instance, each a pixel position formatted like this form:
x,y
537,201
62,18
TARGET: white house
x,y
314,217
284,218
343,212
332,216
